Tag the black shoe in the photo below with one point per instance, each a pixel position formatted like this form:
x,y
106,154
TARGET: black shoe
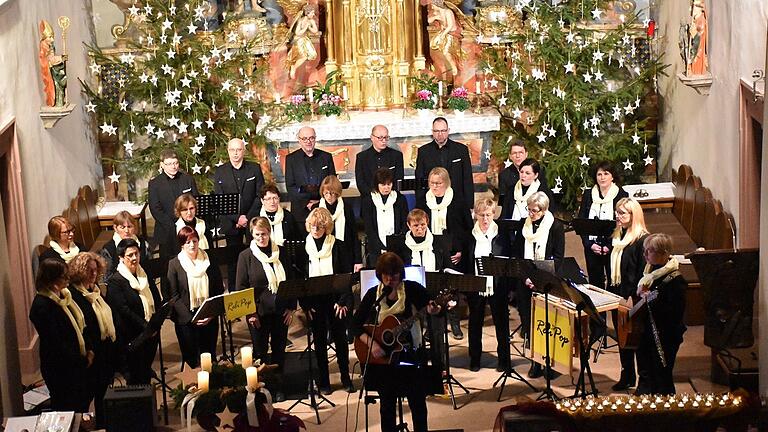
x,y
623,384
279,396
536,371
501,367
348,386
457,333
325,389
474,367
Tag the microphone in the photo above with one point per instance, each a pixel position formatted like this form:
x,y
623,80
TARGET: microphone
x,y
384,292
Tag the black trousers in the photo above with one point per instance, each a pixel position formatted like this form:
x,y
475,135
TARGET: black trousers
x,y
140,362
598,268
195,339
410,382
68,389
417,402
100,376
271,332
653,376
323,320
500,313
523,299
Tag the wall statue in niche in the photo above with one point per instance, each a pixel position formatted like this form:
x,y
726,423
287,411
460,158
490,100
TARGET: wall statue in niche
x,y
693,40
53,67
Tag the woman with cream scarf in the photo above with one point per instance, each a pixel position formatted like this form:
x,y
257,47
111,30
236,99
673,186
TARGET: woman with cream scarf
x,y
133,301
282,223
344,223
542,238
486,240
192,279
124,227
85,270
661,275
626,270
599,203
65,354
329,311
62,246
384,212
185,209
261,267
515,201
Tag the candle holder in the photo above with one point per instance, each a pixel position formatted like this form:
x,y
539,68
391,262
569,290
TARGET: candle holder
x,y
440,111
478,107
313,115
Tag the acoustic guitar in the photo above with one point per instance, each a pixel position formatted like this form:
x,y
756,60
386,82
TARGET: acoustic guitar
x,y
632,321
389,332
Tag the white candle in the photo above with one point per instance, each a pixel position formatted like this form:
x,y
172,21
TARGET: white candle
x,y
440,88
246,356
477,87
311,95
202,381
205,362
277,97
252,377
405,91
344,92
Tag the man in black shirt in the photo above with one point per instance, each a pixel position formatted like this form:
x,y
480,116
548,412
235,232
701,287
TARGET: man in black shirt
x,y
304,170
378,155
163,190
244,178
451,155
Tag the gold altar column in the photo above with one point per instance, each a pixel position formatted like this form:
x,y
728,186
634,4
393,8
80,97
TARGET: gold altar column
x,y
419,61
330,29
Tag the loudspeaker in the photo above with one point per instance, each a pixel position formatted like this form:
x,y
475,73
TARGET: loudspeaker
x,y
515,421
130,408
295,374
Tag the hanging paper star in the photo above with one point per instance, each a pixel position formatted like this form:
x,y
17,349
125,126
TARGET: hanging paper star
x,y
493,82
559,181
226,85
557,189
231,113
199,11
629,109
570,67
115,177
172,10
570,37
196,149
197,124
648,160
173,121
487,154
542,138
108,128
170,54
167,69
596,14
587,77
167,24
209,123
127,58
277,158
597,56
598,75
148,9
495,39
616,112
123,105
192,28
197,169
183,128
133,10
153,80
95,68
187,104
200,139
635,138
584,159
627,165
185,82
503,100
90,107
159,133
517,113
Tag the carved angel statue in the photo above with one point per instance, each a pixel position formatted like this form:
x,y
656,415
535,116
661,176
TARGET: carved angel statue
x,y
53,68
449,20
254,4
302,49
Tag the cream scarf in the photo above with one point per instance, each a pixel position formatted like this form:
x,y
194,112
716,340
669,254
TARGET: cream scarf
x,y
483,247
117,239
102,311
398,307
618,244
66,256
273,268
422,254
385,215
320,261
72,311
277,224
520,211
199,227
536,242
439,211
140,283
595,210
339,220
197,277
650,276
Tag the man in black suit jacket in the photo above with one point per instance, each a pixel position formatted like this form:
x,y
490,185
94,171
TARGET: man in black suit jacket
x,y
378,155
449,154
238,177
163,191
304,170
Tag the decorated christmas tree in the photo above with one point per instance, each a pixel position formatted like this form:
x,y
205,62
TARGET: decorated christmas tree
x,y
576,90
180,84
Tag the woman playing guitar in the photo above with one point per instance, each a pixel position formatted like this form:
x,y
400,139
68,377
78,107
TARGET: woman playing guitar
x,y
399,299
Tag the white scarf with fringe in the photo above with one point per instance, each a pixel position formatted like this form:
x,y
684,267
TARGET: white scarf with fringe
x,y
536,242
276,225
520,210
199,227
272,266
140,283
102,311
339,220
66,256
385,215
320,261
439,212
197,277
422,254
483,247
72,311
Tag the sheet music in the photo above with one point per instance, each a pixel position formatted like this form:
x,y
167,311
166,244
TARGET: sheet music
x,y
599,299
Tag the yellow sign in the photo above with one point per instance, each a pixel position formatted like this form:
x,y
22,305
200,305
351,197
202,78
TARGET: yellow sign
x,y
560,336
239,303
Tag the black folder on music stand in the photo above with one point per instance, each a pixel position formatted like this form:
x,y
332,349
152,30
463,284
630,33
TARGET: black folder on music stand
x,y
211,307
593,227
410,185
437,281
218,204
501,266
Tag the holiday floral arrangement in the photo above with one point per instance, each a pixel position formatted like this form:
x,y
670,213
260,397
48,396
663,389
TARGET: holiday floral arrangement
x,y
426,95
297,108
228,396
327,96
458,99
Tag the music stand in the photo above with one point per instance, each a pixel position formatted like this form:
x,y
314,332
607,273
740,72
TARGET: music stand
x,y
302,288
583,303
214,307
312,189
410,184
154,325
545,281
497,266
454,282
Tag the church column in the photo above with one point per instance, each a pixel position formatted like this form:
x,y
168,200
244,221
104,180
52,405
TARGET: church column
x,y
330,62
419,62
